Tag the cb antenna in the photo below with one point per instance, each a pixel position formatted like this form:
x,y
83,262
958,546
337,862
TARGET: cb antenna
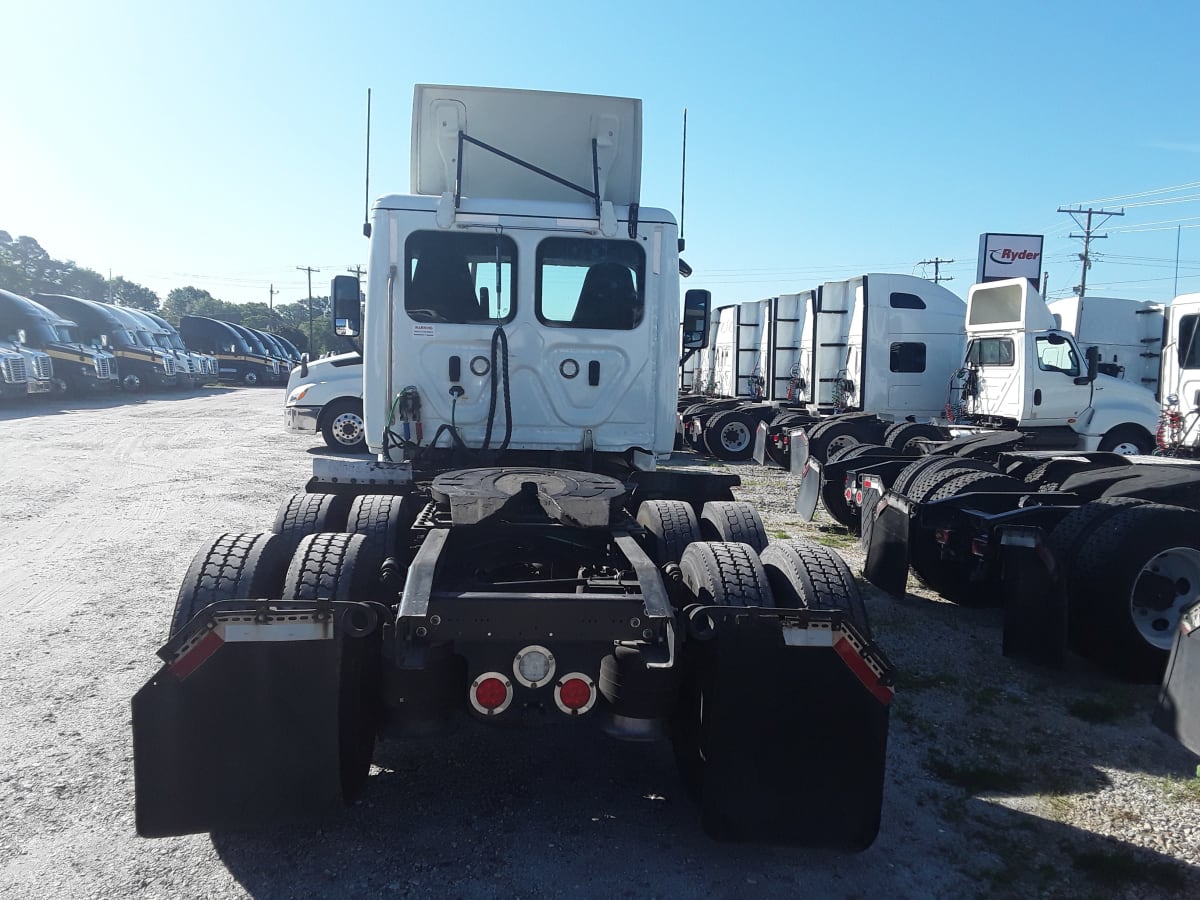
x,y
367,190
683,181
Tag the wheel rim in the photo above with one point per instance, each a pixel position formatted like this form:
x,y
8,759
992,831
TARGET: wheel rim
x,y
735,437
840,442
1127,448
251,378
1166,586
348,429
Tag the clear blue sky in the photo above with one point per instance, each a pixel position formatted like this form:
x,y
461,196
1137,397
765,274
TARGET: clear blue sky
x,y
221,144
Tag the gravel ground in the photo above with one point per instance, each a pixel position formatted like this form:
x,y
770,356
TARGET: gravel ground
x,y
1003,779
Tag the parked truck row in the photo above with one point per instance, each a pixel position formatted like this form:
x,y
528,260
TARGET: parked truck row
x,y
54,343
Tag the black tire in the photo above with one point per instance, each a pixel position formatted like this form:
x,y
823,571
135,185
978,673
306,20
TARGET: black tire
x,y
931,479
853,451
975,482
383,520
806,575
833,498
329,567
1074,528
1127,440
232,567
342,425
721,573
304,514
906,476
1123,610
830,436
672,525
733,521
729,435
901,436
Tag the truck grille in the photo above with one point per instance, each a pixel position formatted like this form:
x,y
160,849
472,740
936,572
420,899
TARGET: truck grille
x,y
42,367
169,365
104,368
13,370
275,366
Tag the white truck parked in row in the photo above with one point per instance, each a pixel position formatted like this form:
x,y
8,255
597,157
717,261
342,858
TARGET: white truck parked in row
x,y
324,396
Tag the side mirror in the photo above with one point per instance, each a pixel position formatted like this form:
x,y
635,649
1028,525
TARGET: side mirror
x,y
20,335
696,304
346,309
1092,354
304,364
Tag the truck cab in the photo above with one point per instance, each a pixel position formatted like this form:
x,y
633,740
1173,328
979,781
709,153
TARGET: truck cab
x,y
236,360
1022,371
80,366
24,370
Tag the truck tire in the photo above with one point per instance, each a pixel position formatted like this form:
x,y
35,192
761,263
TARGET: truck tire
x,y
327,567
827,437
232,567
807,575
931,479
672,525
850,451
833,494
719,573
902,436
1132,578
951,578
729,435
732,521
383,520
1128,440
342,425
304,514
906,476
1073,529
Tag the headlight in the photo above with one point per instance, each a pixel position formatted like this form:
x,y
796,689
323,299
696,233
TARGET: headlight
x,y
298,394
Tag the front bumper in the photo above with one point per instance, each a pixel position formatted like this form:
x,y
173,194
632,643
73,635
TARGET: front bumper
x,y
302,419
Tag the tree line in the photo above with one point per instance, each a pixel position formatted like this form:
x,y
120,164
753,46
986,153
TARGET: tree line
x,y
26,269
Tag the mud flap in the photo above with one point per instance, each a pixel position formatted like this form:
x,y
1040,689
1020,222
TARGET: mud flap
x,y
247,723
1178,710
794,722
808,491
886,565
1034,598
798,449
760,444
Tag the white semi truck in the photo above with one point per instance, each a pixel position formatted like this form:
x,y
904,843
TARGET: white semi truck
x,y
516,552
324,396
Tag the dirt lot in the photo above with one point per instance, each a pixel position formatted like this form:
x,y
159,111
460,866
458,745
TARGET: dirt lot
x,y
1003,780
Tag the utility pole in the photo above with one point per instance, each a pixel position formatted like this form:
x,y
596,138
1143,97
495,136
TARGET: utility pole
x,y
309,270
357,270
1088,237
936,262
271,298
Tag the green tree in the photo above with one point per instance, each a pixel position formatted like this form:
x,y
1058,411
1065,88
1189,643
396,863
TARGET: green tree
x,y
131,294
192,301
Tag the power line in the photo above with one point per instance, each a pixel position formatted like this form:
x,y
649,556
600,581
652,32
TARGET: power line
x,y
936,262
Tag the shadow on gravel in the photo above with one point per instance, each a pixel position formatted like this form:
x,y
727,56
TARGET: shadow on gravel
x,y
29,408
558,812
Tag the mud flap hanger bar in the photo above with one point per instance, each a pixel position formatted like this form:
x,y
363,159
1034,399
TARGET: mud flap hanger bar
x,y
594,193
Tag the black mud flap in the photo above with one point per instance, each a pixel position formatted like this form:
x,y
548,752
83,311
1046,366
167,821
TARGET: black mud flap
x,y
1034,597
886,565
1178,710
251,720
808,491
760,444
793,733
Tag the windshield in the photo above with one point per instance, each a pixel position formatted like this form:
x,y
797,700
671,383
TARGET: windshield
x,y
65,334
588,283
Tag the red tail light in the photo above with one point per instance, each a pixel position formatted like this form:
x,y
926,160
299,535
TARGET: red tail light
x,y
491,693
575,693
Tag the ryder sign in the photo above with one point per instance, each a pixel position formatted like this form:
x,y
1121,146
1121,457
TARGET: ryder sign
x,y
1009,256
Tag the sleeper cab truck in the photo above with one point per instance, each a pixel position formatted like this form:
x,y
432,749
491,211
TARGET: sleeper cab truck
x,y
203,366
24,370
78,366
140,366
237,363
273,367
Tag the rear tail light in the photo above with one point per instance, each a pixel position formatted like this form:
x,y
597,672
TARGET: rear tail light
x,y
575,693
979,546
491,693
942,536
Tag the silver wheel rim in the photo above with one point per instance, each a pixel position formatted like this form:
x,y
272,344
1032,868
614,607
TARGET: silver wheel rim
x,y
251,378
735,437
348,429
840,442
1166,586
1127,448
